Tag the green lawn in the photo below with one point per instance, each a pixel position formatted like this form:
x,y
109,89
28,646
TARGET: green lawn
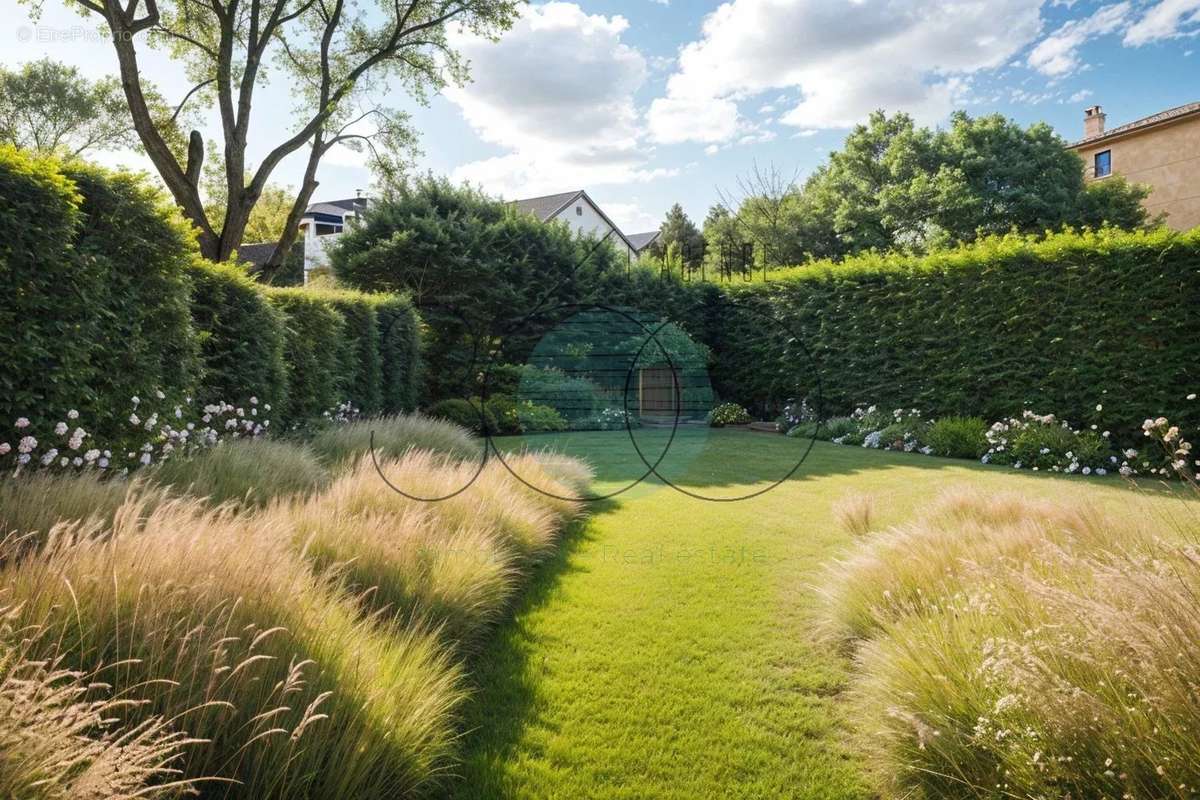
x,y
666,652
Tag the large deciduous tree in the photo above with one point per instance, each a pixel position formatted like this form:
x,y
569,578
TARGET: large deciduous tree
x,y
49,107
335,54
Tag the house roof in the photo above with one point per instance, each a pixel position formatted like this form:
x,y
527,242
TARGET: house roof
x,y
336,208
641,241
256,254
1170,115
546,206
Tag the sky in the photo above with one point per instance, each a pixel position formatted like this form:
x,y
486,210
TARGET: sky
x,y
647,103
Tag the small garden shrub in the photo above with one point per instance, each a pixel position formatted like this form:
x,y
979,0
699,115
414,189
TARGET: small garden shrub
x,y
508,418
465,414
1042,442
572,396
540,419
958,437
728,414
838,427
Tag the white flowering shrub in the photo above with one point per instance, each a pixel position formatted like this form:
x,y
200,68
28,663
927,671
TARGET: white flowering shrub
x,y
157,430
1175,457
1044,442
1038,442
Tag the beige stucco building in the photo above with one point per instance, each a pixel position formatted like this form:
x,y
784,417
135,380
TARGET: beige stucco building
x,y
1162,151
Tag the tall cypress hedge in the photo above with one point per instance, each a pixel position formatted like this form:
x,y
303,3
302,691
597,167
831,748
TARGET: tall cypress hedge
x,y
94,267
106,299
361,379
242,338
400,351
1060,326
313,349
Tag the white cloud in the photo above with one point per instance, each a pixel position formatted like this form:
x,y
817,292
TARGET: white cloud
x,y
846,59
1166,20
630,217
1080,96
1058,54
556,92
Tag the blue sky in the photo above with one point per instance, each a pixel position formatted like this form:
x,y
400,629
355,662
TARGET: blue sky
x,y
650,102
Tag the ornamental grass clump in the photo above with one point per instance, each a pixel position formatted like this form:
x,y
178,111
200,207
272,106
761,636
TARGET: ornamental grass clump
x,y
1012,648
450,565
33,503
59,737
248,472
394,436
913,567
212,621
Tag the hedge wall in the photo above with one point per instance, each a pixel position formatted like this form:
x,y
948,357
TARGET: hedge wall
x,y
107,299
1058,326
94,266
241,335
362,363
400,350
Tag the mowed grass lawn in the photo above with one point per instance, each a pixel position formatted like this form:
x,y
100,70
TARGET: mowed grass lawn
x,y
668,651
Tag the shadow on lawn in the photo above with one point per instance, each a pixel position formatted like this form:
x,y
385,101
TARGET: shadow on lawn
x,y
503,699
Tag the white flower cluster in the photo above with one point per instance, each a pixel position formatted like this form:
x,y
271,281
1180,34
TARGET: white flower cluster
x,y
1038,442
1176,449
155,434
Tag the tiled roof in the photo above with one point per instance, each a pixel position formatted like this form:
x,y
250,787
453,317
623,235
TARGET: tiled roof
x,y
641,241
1145,122
546,207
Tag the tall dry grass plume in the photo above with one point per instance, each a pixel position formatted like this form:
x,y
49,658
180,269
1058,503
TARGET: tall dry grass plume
x,y
1009,647
59,742
213,621
302,638
855,511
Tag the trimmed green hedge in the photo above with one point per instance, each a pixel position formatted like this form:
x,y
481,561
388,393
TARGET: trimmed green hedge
x,y
95,269
362,365
400,349
242,337
1059,326
313,348
346,346
107,299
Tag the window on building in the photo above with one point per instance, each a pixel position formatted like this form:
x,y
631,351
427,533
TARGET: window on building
x,y
1103,163
579,211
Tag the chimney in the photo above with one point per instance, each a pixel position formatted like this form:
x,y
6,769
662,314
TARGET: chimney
x,y
1093,122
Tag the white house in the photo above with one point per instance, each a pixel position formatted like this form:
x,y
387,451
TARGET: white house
x,y
582,214
324,222
321,226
